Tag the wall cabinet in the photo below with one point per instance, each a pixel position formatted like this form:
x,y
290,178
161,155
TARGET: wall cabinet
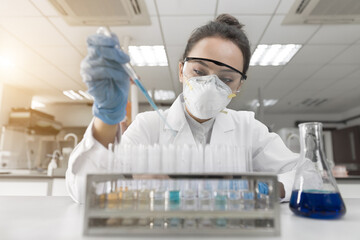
x,y
346,148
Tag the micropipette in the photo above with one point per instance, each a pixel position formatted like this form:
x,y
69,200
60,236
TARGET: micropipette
x,y
130,71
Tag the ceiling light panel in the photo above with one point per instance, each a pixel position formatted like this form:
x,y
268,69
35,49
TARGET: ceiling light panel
x,y
148,55
273,55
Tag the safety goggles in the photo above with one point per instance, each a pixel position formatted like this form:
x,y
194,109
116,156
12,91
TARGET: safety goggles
x,y
196,67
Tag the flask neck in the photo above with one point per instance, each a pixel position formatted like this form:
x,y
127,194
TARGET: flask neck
x,y
311,144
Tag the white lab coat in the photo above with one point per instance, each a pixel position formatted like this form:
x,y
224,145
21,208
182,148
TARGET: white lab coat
x,y
230,127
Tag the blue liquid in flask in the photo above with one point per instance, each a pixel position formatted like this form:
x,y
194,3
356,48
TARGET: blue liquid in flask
x,y
320,205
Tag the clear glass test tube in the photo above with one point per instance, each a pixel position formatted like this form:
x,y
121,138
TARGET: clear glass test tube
x,y
220,200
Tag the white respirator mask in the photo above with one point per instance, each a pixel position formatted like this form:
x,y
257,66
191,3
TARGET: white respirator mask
x,y
206,96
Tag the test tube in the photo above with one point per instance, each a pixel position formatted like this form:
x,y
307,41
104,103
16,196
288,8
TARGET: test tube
x,y
205,197
170,159
229,161
127,158
234,201
197,161
248,197
173,195
262,194
220,201
183,159
188,195
208,160
154,159
158,201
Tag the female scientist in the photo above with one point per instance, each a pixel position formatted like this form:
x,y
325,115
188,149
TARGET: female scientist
x,y
212,70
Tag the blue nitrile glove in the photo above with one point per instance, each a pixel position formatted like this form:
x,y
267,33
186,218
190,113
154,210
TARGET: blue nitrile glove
x,y
105,77
263,188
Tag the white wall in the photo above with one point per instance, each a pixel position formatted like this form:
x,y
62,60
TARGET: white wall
x,y
81,115
12,97
351,113
70,115
278,121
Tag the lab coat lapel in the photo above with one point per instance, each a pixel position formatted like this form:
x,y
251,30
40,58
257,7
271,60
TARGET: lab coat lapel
x,y
177,120
223,130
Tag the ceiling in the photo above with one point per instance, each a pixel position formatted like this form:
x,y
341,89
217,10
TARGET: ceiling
x,y
47,52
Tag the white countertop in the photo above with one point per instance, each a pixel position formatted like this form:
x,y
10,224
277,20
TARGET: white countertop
x,y
61,218
24,173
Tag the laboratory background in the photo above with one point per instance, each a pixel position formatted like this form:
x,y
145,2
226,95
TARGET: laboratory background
x,y
305,67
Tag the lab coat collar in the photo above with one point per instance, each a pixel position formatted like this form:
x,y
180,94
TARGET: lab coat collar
x,y
176,116
222,128
177,120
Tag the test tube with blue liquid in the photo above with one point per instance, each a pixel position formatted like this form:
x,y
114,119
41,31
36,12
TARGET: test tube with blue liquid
x,y
174,202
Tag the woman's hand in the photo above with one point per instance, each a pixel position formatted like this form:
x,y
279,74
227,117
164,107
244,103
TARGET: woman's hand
x,y
105,77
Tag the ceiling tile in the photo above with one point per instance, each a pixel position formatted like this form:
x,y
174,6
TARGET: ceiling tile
x,y
34,31
46,8
18,8
247,7
73,71
53,76
288,78
317,54
285,6
141,35
343,86
261,75
21,79
278,33
150,5
348,101
327,76
60,55
336,34
177,30
154,78
350,56
77,35
254,27
186,7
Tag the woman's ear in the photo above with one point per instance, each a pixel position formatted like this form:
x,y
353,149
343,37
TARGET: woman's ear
x,y
181,76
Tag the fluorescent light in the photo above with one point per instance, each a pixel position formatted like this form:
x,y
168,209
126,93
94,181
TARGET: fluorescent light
x,y
73,95
6,62
164,95
274,55
37,104
267,102
86,95
148,55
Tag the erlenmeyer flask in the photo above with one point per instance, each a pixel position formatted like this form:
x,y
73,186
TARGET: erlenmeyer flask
x,y
315,193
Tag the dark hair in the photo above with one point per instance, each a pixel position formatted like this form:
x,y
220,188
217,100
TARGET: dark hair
x,y
224,26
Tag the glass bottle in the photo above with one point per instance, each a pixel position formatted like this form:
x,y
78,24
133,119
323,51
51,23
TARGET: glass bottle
x,y
315,193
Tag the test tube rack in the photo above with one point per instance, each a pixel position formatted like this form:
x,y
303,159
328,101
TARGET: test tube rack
x,y
182,204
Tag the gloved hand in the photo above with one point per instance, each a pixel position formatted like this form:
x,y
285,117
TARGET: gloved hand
x,y
105,77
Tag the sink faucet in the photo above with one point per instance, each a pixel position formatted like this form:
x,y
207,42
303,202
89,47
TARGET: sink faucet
x,y
53,165
72,135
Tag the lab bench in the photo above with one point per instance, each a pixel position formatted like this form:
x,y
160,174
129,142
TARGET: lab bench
x,y
61,218
31,183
